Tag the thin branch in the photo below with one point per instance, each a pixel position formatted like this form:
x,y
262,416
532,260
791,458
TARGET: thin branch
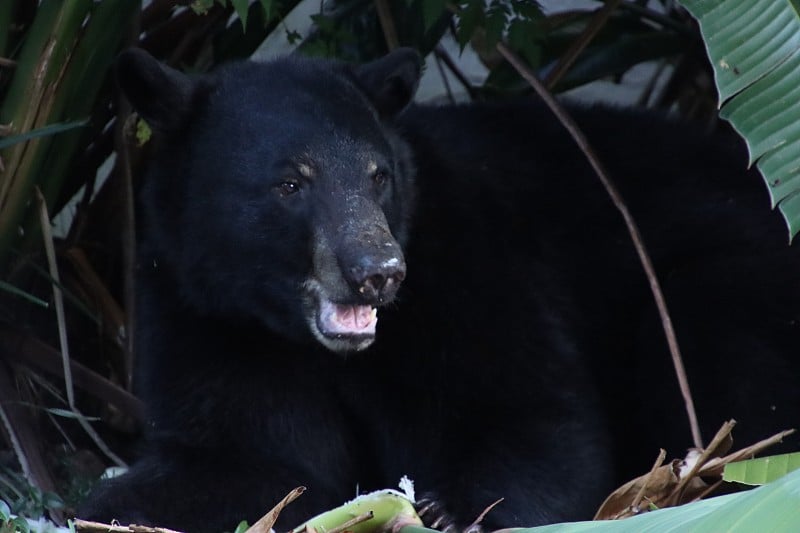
x,y
662,454
387,24
129,217
633,230
58,298
659,18
445,81
353,521
723,435
567,59
442,54
267,522
44,219
715,466
476,523
22,432
33,353
97,527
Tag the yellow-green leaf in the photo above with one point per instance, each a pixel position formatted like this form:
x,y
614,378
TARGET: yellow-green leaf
x,y
762,470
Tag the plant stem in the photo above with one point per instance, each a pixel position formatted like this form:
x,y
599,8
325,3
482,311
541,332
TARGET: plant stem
x,y
630,223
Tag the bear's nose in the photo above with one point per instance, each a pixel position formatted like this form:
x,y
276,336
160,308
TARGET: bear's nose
x,y
375,280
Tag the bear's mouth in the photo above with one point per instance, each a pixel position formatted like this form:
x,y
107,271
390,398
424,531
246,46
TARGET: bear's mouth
x,y
335,320
341,327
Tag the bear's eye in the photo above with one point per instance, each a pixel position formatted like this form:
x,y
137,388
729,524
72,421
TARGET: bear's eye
x,y
288,187
380,177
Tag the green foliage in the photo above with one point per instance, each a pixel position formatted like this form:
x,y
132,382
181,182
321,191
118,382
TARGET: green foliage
x,y
772,507
143,132
518,22
754,47
432,12
5,286
44,131
201,7
762,470
270,8
23,499
61,107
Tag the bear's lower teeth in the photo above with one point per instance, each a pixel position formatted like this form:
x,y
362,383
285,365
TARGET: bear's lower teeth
x,y
341,320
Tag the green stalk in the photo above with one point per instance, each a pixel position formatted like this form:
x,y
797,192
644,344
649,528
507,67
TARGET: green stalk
x,y
72,64
388,508
28,105
86,73
6,14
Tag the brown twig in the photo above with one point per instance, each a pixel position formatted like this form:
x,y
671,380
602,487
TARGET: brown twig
x,y
568,58
709,490
353,521
22,432
387,24
633,230
33,353
714,466
442,54
98,527
445,81
58,298
267,522
662,454
129,216
483,514
722,435
97,296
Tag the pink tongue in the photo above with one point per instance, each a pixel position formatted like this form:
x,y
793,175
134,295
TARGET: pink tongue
x,y
339,319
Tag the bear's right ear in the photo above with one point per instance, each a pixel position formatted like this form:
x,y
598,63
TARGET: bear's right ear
x,y
391,81
161,95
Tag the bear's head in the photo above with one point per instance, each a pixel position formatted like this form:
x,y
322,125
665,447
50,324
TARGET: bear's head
x,y
279,193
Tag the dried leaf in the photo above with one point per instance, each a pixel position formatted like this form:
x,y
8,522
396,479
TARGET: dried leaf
x,y
267,522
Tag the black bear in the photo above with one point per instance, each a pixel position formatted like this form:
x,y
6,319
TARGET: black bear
x,y
337,288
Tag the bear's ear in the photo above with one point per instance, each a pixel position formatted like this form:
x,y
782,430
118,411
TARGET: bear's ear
x,y
161,95
390,82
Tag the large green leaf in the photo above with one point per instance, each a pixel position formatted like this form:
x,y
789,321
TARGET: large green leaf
x,y
754,47
761,470
772,508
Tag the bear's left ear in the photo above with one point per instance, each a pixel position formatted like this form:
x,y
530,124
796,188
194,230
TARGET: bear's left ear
x,y
161,95
391,81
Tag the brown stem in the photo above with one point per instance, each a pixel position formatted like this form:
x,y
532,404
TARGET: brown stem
x,y
567,59
633,230
27,350
353,521
58,299
722,435
266,523
128,219
387,24
442,54
23,432
662,454
97,527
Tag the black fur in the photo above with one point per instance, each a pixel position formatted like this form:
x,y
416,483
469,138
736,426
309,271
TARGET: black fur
x,y
521,290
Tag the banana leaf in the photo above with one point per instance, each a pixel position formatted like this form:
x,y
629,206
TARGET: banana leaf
x,y
754,48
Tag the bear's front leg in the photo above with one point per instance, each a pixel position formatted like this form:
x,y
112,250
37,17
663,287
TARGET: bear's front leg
x,y
206,491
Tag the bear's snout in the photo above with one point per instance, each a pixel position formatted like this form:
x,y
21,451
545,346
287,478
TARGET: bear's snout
x,y
376,278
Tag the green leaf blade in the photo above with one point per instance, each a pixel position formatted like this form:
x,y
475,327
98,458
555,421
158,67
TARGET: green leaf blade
x,y
745,40
762,470
772,507
241,7
754,48
50,129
